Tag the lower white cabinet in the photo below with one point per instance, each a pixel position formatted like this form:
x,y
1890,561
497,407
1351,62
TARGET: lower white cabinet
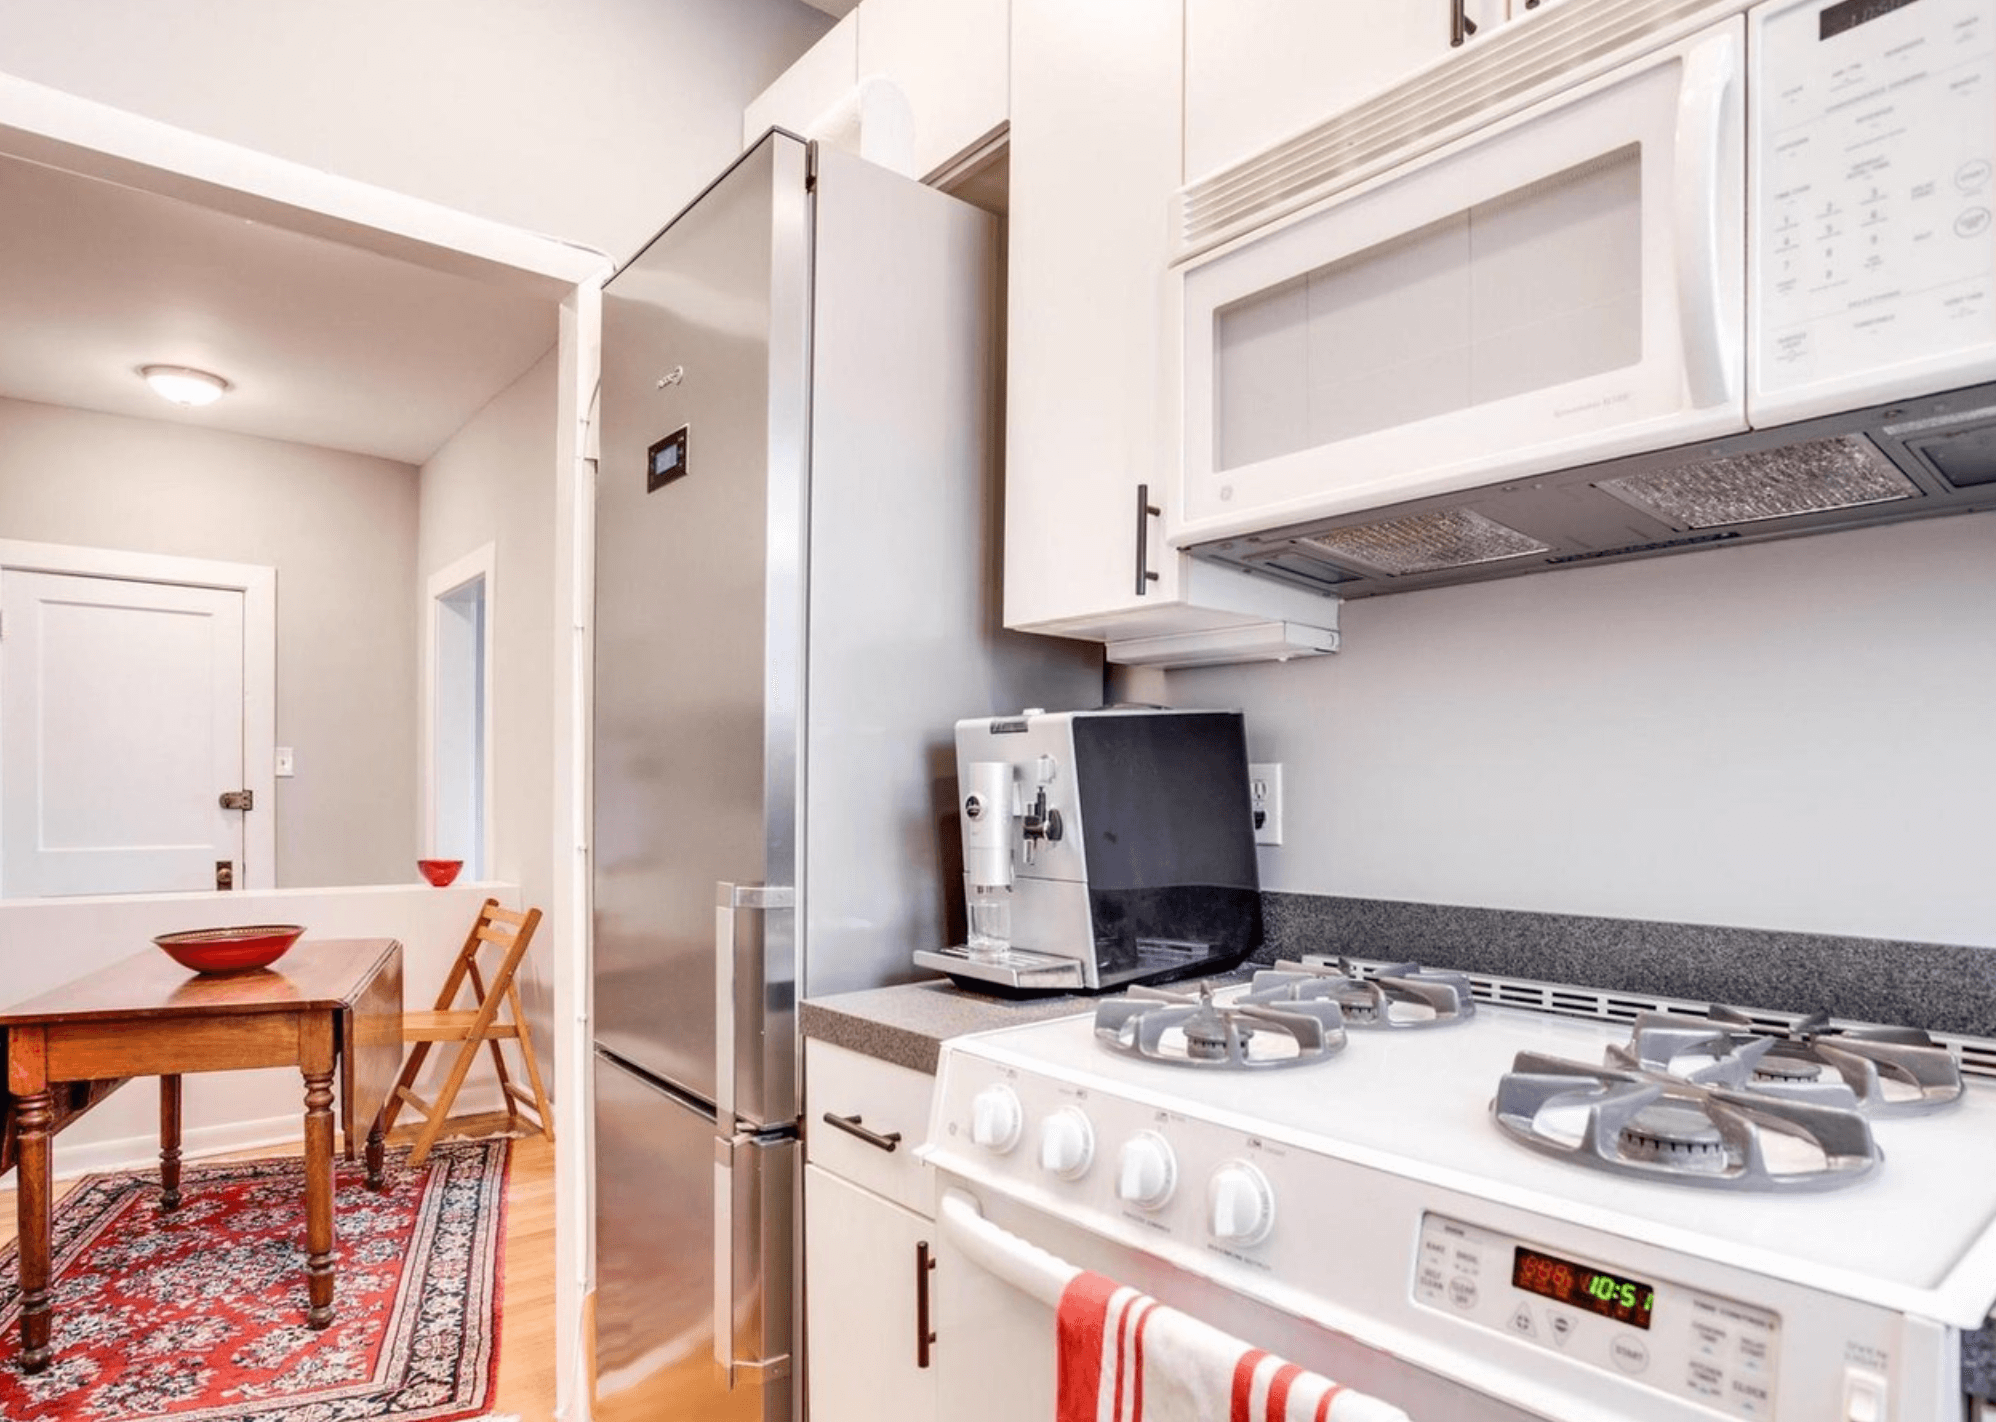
x,y
863,1304
869,1226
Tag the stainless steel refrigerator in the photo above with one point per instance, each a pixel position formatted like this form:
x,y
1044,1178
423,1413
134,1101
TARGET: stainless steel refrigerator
x,y
797,514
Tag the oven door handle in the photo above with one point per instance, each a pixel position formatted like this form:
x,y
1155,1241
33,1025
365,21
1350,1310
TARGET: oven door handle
x,y
1002,1254
1044,1277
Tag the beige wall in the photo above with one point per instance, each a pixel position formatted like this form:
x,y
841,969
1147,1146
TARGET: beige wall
x,y
1793,735
591,120
341,531
493,482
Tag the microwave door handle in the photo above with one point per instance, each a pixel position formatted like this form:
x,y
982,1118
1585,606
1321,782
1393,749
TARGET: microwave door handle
x,y
1711,73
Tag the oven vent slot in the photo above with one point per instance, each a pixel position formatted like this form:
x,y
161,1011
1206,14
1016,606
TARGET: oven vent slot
x,y
1517,65
1976,1056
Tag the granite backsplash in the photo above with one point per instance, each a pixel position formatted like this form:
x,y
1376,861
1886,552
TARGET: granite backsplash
x,y
1941,987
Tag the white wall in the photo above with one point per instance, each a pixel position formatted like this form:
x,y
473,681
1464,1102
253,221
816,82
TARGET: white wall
x,y
1791,736
592,120
235,1110
341,531
493,482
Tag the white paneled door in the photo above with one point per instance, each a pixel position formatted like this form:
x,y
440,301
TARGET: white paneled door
x,y
121,727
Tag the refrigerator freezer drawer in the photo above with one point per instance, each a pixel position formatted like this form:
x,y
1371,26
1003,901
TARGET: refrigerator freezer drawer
x,y
657,1244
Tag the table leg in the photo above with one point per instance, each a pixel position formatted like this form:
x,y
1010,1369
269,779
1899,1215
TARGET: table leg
x,y
169,1142
377,1150
34,1113
317,1064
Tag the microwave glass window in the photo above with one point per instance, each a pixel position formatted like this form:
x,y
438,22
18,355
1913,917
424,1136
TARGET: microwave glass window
x,y
1534,289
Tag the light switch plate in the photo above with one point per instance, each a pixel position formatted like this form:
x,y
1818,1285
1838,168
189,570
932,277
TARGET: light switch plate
x,y
1265,794
285,765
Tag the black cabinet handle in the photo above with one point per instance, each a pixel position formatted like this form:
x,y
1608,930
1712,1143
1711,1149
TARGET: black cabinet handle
x,y
1460,26
851,1126
925,1337
1146,511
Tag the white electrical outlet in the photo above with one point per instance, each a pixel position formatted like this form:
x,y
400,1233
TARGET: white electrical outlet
x,y
1265,794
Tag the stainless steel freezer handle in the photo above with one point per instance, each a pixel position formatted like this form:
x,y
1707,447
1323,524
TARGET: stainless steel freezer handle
x,y
728,899
738,1309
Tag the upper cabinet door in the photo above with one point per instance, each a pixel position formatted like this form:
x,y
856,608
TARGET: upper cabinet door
x,y
951,59
948,62
1257,71
1095,159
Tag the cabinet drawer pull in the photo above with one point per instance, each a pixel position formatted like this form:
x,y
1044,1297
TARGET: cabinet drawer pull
x,y
1146,511
925,1336
851,1126
1461,27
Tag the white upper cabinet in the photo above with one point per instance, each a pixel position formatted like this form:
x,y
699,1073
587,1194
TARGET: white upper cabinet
x,y
808,89
1092,350
951,59
947,61
1258,71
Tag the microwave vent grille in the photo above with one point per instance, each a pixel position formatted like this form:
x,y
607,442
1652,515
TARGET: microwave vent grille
x,y
1424,543
1815,477
1523,61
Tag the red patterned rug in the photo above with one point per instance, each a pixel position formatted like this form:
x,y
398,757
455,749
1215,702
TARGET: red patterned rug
x,y
198,1315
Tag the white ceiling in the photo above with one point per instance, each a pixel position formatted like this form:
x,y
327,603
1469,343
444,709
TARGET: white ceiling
x,y
326,344
839,9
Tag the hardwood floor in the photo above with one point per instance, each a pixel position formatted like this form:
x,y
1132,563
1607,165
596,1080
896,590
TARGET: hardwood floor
x,y
526,1336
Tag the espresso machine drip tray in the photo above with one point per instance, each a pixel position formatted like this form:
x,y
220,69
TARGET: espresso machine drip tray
x,y
1015,971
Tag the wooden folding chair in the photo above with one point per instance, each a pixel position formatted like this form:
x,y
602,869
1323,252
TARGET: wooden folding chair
x,y
471,1027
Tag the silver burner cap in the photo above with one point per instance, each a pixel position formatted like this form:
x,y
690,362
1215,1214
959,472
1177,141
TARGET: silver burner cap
x,y
1185,1029
1674,1135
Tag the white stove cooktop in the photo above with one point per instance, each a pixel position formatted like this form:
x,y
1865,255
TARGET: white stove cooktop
x,y
1915,1234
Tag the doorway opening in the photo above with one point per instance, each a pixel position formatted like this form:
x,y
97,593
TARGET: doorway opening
x,y
460,695
137,715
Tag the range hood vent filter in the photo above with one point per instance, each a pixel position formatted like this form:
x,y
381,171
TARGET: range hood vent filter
x,y
1424,543
1821,475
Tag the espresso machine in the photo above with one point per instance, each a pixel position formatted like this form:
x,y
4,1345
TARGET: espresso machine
x,y
1103,848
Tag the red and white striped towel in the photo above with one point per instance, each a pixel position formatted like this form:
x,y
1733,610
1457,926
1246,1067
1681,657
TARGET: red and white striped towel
x,y
1125,1357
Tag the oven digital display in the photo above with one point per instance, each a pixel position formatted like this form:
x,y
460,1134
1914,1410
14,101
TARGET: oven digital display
x,y
1563,1281
1851,13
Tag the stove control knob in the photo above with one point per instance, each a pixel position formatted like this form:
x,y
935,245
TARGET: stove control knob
x,y
996,1119
1067,1143
1240,1204
1146,1171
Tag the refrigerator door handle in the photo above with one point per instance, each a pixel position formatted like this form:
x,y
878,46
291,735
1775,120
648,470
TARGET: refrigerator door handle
x,y
729,1368
728,899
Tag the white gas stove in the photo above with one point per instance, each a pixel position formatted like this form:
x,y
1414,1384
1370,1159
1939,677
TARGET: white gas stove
x,y
1367,1208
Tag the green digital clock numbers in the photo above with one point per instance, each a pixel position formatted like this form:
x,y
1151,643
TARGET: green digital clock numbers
x,y
1563,1281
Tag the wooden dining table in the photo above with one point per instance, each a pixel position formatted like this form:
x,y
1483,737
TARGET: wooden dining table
x,y
327,1003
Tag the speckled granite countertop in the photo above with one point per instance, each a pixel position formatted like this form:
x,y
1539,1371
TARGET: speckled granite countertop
x,y
907,1024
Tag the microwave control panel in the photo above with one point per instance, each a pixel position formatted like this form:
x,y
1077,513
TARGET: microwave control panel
x,y
1708,1350
1873,225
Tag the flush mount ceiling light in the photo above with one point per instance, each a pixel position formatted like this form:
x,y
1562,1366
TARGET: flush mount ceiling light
x,y
184,386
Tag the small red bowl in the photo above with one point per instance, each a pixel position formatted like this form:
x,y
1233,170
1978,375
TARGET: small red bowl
x,y
230,950
440,871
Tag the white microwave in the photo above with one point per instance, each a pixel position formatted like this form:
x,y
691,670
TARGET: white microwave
x,y
1744,219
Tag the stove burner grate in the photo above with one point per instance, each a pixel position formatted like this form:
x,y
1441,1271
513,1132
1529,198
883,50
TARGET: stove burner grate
x,y
1877,1070
1657,1126
1184,1029
1399,995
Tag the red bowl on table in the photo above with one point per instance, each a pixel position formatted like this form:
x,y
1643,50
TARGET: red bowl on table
x,y
230,950
440,871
